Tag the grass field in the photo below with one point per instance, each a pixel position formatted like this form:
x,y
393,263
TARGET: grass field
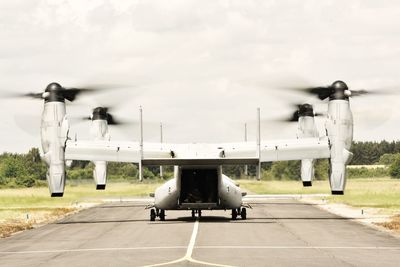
x,y
30,203
363,192
24,207
40,197
368,192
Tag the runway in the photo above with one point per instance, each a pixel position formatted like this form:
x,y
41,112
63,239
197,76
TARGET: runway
x,y
278,232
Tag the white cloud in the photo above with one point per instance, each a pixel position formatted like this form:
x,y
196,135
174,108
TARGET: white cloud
x,y
200,64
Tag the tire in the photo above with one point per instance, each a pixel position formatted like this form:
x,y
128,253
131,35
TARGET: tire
x,y
162,215
152,215
234,214
243,214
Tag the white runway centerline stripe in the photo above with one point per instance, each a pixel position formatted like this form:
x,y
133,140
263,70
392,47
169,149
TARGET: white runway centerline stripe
x,y
189,252
192,240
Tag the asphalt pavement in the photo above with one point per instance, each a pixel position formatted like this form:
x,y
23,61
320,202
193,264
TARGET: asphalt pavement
x,y
277,232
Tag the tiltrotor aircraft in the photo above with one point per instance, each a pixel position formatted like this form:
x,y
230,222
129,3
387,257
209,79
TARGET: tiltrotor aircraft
x,y
198,182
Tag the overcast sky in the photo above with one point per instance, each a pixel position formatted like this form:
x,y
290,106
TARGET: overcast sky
x,y
201,67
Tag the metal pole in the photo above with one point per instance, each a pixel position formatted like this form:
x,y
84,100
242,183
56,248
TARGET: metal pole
x,y
259,144
161,140
246,170
141,145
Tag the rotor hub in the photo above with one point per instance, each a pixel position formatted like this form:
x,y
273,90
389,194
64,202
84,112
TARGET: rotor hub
x,y
53,93
306,110
339,91
53,87
100,113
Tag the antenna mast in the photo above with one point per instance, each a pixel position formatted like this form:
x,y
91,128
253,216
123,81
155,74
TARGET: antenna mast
x,y
259,144
161,141
246,170
141,144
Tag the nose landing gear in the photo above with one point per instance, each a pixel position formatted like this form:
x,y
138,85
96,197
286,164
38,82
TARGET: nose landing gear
x,y
194,213
240,211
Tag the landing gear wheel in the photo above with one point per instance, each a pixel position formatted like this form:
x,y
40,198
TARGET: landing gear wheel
x,y
243,214
199,212
234,214
152,215
193,214
162,215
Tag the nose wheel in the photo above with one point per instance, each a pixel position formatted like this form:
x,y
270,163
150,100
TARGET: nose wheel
x,y
194,212
154,213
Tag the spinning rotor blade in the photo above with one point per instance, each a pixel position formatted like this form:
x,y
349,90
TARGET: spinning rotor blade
x,y
71,94
340,90
320,92
302,110
294,117
25,95
359,92
111,120
33,95
102,113
56,92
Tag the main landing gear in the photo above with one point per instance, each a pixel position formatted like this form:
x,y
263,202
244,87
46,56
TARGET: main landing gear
x,y
240,211
157,213
194,213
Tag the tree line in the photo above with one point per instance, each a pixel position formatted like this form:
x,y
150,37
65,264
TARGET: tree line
x,y
27,170
366,153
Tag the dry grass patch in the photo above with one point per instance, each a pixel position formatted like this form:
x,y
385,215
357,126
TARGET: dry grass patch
x,y
7,229
36,216
394,224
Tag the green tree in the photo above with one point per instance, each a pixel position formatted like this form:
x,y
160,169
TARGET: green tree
x,y
12,166
388,159
321,169
394,169
34,164
286,170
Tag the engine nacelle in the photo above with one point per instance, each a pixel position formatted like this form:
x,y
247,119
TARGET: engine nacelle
x,y
99,131
339,126
307,172
306,129
100,174
54,134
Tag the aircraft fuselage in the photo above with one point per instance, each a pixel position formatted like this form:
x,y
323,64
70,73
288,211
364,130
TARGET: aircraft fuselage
x,y
198,188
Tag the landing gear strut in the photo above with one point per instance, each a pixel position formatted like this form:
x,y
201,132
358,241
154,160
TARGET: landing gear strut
x,y
157,213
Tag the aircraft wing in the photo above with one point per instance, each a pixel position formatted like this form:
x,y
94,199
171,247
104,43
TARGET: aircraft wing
x,y
113,151
295,149
198,154
279,150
